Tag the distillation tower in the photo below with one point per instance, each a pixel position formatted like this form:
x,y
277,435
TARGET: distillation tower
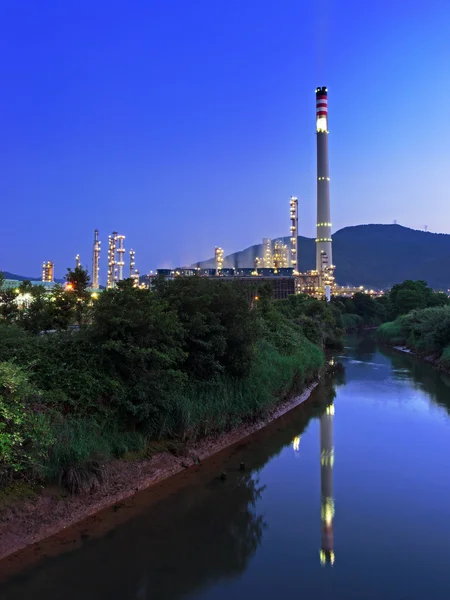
x,y
326,485
324,257
112,241
120,256
48,271
280,255
294,233
134,273
218,255
96,261
267,253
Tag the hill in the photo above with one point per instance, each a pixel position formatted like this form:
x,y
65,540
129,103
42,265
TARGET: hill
x,y
19,277
8,275
375,256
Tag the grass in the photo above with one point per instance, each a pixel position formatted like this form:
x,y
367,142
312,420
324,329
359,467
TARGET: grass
x,y
82,447
226,403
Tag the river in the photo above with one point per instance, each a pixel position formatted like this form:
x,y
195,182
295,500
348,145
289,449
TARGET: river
x,y
346,497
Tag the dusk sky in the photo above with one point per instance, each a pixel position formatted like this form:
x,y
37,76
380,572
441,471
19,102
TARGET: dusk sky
x,y
189,124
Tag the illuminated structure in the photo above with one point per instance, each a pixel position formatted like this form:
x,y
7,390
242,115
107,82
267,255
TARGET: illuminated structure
x,y
324,258
112,240
280,255
294,233
77,261
326,485
267,253
218,255
96,261
134,273
132,262
120,256
48,271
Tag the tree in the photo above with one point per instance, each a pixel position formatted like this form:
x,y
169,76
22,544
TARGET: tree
x,y
411,295
9,308
35,315
407,300
62,306
364,306
139,341
218,322
25,287
78,281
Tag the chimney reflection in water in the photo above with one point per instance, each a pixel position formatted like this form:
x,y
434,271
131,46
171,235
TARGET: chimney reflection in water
x,y
326,485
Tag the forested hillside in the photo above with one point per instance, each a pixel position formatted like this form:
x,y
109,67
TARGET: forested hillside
x,y
376,256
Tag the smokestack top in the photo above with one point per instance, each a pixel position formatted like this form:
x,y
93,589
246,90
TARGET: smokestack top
x,y
322,109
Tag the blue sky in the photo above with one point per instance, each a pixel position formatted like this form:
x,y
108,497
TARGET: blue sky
x,y
185,125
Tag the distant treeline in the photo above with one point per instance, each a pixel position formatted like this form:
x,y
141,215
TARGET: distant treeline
x,y
425,327
189,358
362,310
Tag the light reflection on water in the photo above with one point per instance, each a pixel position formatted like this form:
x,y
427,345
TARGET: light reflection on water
x,y
345,497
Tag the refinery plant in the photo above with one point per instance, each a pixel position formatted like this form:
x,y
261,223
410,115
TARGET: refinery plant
x,y
116,263
278,262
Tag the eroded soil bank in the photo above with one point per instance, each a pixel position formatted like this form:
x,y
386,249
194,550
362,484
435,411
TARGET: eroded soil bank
x,y
51,514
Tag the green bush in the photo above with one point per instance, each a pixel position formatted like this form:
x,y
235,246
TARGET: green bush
x,y
426,331
392,333
25,431
445,358
352,322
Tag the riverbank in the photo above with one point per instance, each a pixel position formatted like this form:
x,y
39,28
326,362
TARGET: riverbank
x,y
432,359
425,333
50,512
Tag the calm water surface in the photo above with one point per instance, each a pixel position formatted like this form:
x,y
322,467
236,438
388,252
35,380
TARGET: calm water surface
x,y
346,497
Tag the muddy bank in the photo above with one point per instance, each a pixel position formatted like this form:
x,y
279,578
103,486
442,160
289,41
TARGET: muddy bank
x,y
51,512
432,359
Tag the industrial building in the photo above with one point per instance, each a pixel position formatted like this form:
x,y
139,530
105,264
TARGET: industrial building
x,y
14,284
282,280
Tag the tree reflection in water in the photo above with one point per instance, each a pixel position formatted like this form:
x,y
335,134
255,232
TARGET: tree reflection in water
x,y
191,538
421,375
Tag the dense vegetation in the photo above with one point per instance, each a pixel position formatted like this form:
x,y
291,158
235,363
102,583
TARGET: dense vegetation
x,y
363,310
376,256
188,358
420,320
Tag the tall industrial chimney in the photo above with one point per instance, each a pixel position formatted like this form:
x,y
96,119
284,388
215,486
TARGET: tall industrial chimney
x,y
294,232
323,237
